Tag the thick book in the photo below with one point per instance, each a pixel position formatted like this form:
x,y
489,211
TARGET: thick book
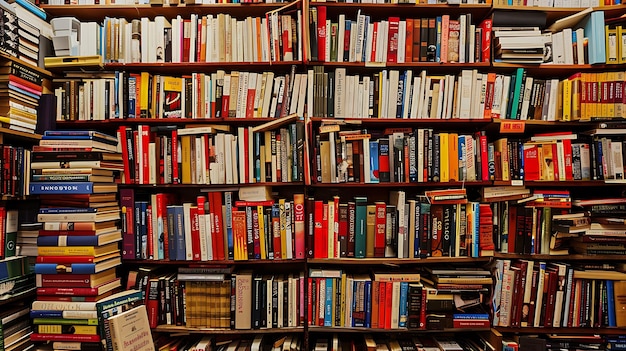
x,y
76,268
54,188
130,330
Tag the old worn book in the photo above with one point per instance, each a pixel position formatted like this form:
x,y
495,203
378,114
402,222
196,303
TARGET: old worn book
x,y
130,330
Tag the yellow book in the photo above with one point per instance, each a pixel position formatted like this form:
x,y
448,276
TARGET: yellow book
x,y
567,100
330,229
453,153
444,160
559,102
144,98
262,233
370,233
67,329
77,250
283,230
603,95
611,45
156,86
575,82
171,106
342,317
621,48
584,104
185,147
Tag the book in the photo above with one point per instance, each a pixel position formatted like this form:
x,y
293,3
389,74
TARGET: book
x,y
130,330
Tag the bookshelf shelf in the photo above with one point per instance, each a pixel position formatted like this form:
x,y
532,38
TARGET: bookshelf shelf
x,y
186,330
114,123
42,71
562,331
555,184
395,185
95,12
430,66
396,261
175,68
213,263
313,329
24,296
382,10
212,187
571,257
456,123
10,133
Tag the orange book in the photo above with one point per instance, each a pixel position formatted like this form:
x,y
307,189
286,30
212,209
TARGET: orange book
x,y
453,159
445,30
375,297
416,39
491,81
408,57
239,235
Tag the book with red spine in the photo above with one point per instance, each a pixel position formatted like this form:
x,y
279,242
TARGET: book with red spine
x,y
64,337
299,225
175,167
380,231
319,250
215,202
152,301
195,233
79,291
486,25
392,46
321,33
127,203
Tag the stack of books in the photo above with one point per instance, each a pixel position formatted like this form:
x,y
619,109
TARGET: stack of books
x,y
519,39
78,247
21,86
600,229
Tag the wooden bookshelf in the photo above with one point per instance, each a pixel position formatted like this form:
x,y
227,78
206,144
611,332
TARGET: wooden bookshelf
x,y
396,261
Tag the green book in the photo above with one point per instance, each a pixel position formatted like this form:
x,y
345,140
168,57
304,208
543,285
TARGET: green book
x,y
360,226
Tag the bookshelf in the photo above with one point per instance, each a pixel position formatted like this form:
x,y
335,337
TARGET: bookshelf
x,y
492,129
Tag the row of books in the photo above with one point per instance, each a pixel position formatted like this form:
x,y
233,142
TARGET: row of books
x,y
556,3
269,342
435,39
237,94
16,328
9,219
402,228
162,229
553,342
147,2
402,155
554,294
199,297
396,300
213,155
384,342
559,158
200,38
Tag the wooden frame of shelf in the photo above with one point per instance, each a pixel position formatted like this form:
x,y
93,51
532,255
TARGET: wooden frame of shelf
x,y
185,330
316,329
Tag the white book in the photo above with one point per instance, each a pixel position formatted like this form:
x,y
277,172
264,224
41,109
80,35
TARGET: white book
x,y
368,90
465,92
310,92
295,94
440,98
385,43
558,50
506,84
560,152
239,41
471,37
394,76
395,304
357,104
299,35
617,161
242,94
401,41
302,95
243,155
353,40
450,105
407,94
553,101
580,49
341,34
250,147
568,48
369,42
462,38
361,28
384,86
379,41
187,230
415,96
349,96
145,43
193,37
270,90
265,44
254,82
421,96
480,111
340,90
497,95
88,32
528,87
366,161
160,23
327,42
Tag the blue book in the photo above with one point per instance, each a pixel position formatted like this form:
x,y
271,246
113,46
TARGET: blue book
x,y
404,314
470,316
328,304
228,202
143,229
63,314
438,43
79,137
179,221
71,240
62,188
365,39
76,268
78,133
517,92
368,304
61,210
610,293
257,157
462,157
476,229
12,267
171,230
36,10
374,162
593,26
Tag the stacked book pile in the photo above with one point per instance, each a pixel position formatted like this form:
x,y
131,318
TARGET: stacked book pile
x,y
78,247
518,39
455,297
21,86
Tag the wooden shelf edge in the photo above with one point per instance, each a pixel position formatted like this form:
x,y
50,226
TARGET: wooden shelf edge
x,y
213,263
572,257
15,133
216,187
40,70
316,329
395,261
562,331
189,330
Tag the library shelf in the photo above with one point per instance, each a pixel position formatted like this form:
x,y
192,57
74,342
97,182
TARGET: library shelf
x,y
27,295
479,10
10,133
562,330
556,183
95,12
555,13
430,66
401,184
211,187
570,257
451,123
317,329
396,261
174,67
192,122
217,263
186,330
557,69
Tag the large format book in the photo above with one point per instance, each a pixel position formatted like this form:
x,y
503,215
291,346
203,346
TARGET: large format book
x,y
114,305
130,330
71,188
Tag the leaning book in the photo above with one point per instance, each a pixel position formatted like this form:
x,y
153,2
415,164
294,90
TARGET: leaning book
x,y
130,330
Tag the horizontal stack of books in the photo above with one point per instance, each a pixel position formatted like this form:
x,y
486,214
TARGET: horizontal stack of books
x,y
78,247
21,87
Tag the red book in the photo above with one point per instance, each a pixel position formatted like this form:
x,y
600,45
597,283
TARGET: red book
x,y
144,139
531,162
351,227
150,231
567,153
175,171
321,33
195,233
486,40
309,309
320,250
186,40
67,259
512,229
64,337
379,238
122,131
242,203
553,278
101,289
374,38
15,79
392,48
299,221
276,232
518,292
408,48
382,304
310,229
218,224
484,157
388,298
152,302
